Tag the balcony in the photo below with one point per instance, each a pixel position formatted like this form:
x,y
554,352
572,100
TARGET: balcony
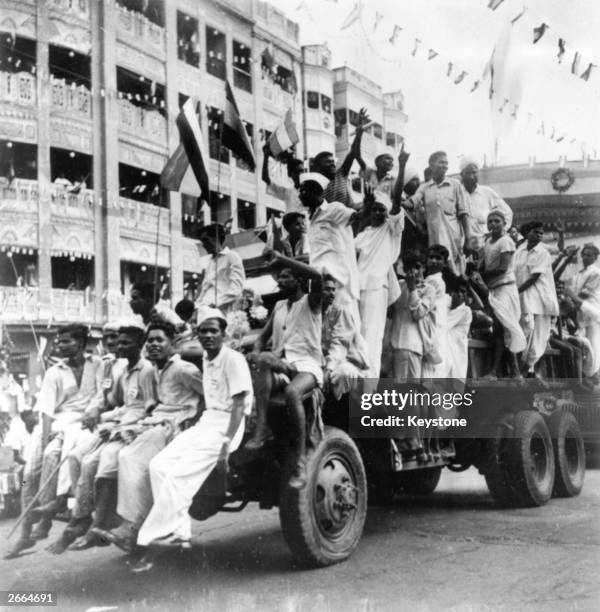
x,y
147,124
139,218
20,196
135,28
276,96
70,99
18,88
78,8
70,205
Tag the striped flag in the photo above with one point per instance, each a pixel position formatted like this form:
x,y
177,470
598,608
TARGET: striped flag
x,y
187,168
234,135
284,136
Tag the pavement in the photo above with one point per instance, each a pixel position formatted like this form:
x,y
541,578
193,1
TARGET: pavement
x,y
453,550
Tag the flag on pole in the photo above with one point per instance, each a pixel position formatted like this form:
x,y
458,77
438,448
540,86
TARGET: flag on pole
x,y
234,135
575,63
284,136
189,161
352,17
561,49
494,4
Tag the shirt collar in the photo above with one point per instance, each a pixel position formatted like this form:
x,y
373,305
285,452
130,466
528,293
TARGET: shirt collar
x,y
431,183
87,358
217,360
174,358
136,367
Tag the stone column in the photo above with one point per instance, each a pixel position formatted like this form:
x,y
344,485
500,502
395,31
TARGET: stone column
x,y
44,95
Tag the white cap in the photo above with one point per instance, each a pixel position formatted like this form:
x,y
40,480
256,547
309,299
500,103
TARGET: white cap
x,y
206,313
466,161
135,321
410,173
383,198
111,326
316,177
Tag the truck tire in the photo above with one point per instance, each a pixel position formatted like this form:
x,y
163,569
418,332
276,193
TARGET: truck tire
x,y
531,460
496,468
569,454
323,522
419,482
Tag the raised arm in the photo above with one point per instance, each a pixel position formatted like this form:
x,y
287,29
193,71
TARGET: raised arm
x,y
355,152
399,185
265,167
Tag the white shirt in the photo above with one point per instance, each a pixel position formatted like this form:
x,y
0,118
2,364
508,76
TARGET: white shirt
x,y
540,298
379,248
332,244
223,377
480,204
225,271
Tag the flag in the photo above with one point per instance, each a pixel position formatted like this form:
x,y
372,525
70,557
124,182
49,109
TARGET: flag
x,y
234,135
449,71
494,4
189,160
561,50
395,33
539,32
432,54
268,60
460,77
352,17
588,71
284,136
475,86
575,63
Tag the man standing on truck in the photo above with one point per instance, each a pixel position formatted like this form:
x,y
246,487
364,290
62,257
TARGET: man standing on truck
x,y
178,471
294,362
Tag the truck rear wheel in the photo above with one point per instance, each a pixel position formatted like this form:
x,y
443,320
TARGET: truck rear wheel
x,y
323,522
569,454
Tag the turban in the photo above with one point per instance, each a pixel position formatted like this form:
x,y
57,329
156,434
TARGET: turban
x,y
467,161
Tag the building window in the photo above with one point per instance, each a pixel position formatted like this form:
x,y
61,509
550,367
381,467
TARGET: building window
x,y
18,160
71,169
215,147
216,53
240,163
246,214
18,54
73,273
151,9
140,90
191,285
353,118
286,79
141,185
220,207
274,212
312,99
377,131
341,118
191,216
326,103
188,50
242,76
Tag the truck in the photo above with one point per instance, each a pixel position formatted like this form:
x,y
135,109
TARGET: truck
x,y
523,437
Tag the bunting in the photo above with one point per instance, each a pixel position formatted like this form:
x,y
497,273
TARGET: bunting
x,y
539,32
588,71
561,50
432,54
395,34
416,47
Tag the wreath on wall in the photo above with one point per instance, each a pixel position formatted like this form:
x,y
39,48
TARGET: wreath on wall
x,y
562,180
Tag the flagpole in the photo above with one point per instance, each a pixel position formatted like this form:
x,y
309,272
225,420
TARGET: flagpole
x,y
220,144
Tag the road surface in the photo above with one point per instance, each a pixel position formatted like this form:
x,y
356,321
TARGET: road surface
x,y
451,551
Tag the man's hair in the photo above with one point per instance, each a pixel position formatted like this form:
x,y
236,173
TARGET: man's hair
x,y
222,324
591,247
411,258
327,278
383,155
136,333
184,309
439,249
76,331
294,161
290,218
434,156
215,229
166,327
146,290
319,157
530,225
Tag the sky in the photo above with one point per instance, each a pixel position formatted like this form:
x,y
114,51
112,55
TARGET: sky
x,y
445,115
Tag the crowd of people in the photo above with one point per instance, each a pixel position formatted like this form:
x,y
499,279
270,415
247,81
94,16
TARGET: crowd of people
x,y
393,282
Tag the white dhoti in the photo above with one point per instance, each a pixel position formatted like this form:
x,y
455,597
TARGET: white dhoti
x,y
344,378
135,494
537,331
459,321
373,309
178,471
505,303
589,322
72,437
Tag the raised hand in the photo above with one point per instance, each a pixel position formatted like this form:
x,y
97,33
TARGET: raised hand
x,y
403,156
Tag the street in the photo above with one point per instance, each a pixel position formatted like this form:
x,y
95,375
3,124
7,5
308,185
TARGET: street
x,y
450,551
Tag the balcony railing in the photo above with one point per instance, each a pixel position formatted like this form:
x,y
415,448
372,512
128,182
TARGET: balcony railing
x,y
65,203
276,95
81,8
75,306
70,98
20,195
135,26
18,88
19,303
145,217
149,124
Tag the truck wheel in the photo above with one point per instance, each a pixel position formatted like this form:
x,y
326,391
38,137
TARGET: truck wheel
x,y
323,522
531,460
419,482
496,468
569,454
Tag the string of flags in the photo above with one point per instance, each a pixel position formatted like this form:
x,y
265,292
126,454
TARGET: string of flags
x,y
460,76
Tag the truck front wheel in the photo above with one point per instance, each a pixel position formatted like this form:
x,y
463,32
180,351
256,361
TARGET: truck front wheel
x,y
323,522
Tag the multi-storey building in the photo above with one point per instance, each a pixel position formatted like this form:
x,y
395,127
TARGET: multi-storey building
x,y
89,92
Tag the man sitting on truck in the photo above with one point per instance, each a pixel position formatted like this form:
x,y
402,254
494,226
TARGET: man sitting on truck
x,y
294,362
